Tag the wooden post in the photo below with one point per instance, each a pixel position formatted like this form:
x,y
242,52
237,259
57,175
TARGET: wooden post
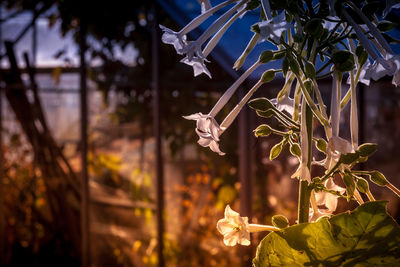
x,y
84,148
157,136
2,215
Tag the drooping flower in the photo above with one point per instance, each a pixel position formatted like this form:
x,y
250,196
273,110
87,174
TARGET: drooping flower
x,y
303,172
363,77
207,127
178,39
336,147
327,199
390,4
380,68
284,104
273,28
199,67
236,229
195,57
208,131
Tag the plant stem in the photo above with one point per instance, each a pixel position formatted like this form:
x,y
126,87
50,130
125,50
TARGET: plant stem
x,y
394,189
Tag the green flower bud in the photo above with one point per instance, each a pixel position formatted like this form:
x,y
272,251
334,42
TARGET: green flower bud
x,y
378,178
262,104
350,185
362,185
268,76
280,221
266,56
262,130
310,70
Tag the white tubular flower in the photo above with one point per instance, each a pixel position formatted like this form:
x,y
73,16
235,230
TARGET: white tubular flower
x,y
363,78
328,24
253,41
236,229
194,56
214,41
208,131
375,32
390,4
207,127
380,68
336,147
284,104
195,47
197,62
178,39
273,28
303,172
361,36
266,8
328,199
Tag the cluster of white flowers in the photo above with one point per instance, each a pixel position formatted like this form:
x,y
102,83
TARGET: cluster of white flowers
x,y
273,27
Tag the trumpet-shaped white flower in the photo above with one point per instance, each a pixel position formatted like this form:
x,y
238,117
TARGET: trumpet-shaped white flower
x,y
236,229
336,147
273,28
199,67
178,39
324,203
284,104
194,56
380,68
208,131
175,38
303,172
363,78
390,4
327,199
207,127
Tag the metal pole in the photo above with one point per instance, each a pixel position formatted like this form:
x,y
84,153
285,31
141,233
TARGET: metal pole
x,y
157,135
244,175
84,148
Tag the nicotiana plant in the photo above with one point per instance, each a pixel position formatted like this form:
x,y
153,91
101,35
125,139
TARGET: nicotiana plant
x,y
312,40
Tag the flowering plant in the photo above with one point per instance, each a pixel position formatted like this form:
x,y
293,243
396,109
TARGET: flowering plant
x,y
313,40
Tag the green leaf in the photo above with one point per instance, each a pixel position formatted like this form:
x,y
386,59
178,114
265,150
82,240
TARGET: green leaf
x,y
321,145
295,150
385,26
349,158
367,149
262,104
368,236
275,151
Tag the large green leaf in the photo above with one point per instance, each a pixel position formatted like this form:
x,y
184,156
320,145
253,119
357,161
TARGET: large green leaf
x,y
368,236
